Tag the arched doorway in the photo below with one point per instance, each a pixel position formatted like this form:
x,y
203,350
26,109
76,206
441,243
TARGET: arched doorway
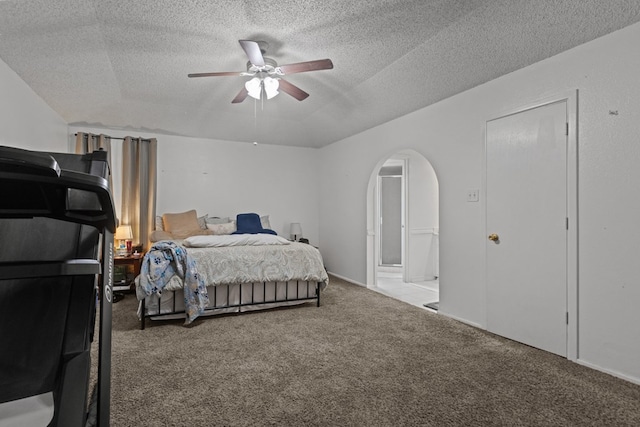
x,y
417,265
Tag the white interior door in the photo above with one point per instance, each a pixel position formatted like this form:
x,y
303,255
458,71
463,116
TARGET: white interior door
x,y
527,216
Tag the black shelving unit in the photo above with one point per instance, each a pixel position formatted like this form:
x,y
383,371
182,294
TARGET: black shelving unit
x,y
57,222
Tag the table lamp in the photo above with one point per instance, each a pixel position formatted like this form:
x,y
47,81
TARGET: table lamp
x,y
296,230
124,235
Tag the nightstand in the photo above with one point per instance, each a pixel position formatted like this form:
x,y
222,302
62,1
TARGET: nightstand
x,y
126,269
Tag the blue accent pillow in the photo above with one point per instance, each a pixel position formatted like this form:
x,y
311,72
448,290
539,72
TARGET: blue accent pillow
x,y
249,223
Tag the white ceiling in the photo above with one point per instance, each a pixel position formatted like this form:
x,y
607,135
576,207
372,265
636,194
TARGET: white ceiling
x,y
123,64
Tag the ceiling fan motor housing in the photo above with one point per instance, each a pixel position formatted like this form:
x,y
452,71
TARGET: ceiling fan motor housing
x,y
270,67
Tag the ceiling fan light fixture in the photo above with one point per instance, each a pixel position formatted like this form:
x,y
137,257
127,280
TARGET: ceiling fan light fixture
x,y
271,87
255,85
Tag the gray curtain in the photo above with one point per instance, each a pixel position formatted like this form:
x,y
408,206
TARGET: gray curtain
x,y
139,179
88,143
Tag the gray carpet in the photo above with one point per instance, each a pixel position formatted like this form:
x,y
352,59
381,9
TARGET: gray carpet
x,y
361,359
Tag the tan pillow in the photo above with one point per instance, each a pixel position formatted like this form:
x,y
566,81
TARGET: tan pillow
x,y
157,235
181,225
201,221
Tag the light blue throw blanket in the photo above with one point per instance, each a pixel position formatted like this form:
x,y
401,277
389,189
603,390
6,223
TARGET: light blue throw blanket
x,y
164,260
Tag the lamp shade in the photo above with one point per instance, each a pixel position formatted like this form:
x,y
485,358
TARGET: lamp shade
x,y
295,230
123,233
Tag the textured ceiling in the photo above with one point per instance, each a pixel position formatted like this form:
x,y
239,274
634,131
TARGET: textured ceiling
x,y
123,64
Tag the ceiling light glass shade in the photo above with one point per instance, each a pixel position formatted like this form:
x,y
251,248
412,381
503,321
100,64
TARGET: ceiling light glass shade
x,y
271,87
253,87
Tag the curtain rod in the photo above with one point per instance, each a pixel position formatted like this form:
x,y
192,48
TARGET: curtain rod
x,y
115,137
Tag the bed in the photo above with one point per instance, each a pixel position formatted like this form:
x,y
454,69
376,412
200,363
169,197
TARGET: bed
x,y
202,275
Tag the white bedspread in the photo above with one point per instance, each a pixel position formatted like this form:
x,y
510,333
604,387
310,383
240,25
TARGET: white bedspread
x,y
257,263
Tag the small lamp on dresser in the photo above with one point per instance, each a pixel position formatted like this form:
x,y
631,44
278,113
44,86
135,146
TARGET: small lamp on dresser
x,y
124,235
295,231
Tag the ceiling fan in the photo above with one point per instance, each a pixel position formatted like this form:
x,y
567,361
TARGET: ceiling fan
x,y
267,74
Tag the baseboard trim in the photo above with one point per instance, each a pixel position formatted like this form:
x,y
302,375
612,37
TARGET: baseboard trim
x,y
346,279
460,319
609,371
422,279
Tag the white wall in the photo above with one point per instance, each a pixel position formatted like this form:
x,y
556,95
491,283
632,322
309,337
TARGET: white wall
x,y
26,121
224,178
450,134
423,207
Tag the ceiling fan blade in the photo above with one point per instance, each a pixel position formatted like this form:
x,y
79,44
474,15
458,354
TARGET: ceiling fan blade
x,y
300,67
224,73
240,96
252,49
292,90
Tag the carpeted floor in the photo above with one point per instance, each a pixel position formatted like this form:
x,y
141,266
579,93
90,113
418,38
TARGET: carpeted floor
x,y
361,359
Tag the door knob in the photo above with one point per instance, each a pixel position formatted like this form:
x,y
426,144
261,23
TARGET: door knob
x,y
494,237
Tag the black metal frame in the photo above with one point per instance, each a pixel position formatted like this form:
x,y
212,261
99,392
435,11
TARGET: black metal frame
x,y
228,304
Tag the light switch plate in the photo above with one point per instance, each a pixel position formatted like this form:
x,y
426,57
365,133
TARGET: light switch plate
x,y
473,195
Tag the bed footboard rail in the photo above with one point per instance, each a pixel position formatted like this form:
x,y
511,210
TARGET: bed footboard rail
x,y
221,300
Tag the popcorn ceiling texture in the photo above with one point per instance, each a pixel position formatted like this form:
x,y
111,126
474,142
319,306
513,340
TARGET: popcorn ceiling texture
x,y
124,65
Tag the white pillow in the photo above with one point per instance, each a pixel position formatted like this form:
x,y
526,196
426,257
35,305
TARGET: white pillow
x,y
264,221
220,229
218,220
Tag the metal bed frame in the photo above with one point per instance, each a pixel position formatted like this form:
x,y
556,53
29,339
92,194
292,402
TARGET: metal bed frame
x,y
226,304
